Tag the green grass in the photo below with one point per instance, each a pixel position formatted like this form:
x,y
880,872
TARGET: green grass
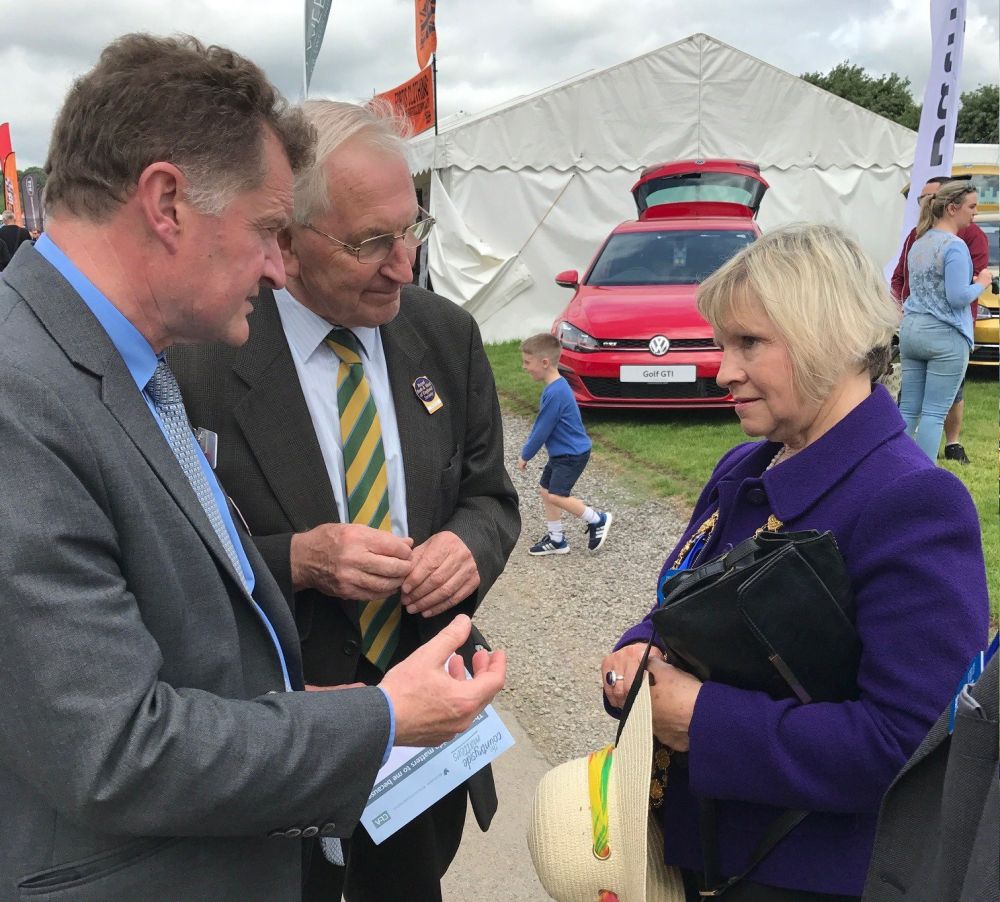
x,y
670,454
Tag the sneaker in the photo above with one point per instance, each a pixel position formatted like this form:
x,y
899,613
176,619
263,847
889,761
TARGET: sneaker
x,y
956,452
547,545
599,531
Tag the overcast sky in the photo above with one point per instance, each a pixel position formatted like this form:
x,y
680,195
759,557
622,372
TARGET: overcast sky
x,y
488,52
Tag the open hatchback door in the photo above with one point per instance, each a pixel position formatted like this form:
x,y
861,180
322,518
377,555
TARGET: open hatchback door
x,y
699,188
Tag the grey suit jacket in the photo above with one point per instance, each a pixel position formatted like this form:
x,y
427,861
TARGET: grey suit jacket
x,y
144,750
938,836
270,461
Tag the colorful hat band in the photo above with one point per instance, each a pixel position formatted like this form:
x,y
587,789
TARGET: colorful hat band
x,y
598,778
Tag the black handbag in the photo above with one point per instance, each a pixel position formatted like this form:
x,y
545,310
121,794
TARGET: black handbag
x,y
774,614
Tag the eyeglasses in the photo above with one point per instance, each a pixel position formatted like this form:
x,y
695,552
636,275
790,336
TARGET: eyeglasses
x,y
375,250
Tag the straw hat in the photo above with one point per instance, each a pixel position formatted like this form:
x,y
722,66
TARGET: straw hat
x,y
561,831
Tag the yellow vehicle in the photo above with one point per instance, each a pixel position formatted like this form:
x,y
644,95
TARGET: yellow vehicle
x,y
986,178
986,331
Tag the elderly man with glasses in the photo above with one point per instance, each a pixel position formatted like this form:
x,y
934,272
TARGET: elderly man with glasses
x,y
360,437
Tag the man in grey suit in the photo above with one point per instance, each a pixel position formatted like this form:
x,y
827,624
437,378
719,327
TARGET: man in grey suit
x,y
451,518
939,828
152,743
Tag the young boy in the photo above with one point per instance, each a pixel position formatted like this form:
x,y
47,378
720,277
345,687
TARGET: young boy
x,y
560,429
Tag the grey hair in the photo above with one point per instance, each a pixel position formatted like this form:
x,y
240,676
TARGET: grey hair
x,y
827,300
8,216
379,123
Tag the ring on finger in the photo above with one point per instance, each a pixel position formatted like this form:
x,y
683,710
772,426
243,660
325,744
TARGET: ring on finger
x,y
611,677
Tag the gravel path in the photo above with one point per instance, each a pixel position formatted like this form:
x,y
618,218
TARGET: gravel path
x,y
557,616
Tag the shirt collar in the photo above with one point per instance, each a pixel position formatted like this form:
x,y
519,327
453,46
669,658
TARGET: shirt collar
x,y
137,353
306,330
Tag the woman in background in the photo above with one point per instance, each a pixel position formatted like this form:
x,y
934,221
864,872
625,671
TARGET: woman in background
x,y
936,335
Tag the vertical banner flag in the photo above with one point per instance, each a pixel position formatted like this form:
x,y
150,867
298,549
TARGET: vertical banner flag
x,y
938,118
317,12
31,194
8,169
11,189
415,100
427,41
5,145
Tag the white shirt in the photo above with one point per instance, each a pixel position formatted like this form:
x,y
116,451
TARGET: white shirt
x,y
316,365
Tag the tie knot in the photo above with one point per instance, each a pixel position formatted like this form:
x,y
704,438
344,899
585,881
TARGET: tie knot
x,y
162,386
345,345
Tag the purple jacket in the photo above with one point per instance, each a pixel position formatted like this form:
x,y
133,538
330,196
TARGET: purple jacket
x,y
909,534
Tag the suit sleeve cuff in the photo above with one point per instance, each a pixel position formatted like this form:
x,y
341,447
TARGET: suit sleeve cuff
x,y
392,726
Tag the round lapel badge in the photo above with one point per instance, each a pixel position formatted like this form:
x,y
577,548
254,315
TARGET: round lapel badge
x,y
425,391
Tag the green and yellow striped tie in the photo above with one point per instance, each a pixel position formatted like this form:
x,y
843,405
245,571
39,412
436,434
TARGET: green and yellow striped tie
x,y
367,485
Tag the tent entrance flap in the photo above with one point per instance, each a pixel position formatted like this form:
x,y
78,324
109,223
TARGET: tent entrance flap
x,y
463,268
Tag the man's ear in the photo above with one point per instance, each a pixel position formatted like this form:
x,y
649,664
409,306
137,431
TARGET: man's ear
x,y
159,196
289,256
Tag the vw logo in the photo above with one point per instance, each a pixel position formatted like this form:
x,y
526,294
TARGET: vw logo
x,y
659,345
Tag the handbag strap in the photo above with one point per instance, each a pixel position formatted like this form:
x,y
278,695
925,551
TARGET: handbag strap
x,y
633,691
776,831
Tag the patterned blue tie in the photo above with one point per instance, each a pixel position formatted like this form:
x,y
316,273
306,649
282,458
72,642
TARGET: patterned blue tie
x,y
166,396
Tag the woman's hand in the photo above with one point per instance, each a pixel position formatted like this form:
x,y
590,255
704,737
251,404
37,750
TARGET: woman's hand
x,y
984,277
624,663
673,694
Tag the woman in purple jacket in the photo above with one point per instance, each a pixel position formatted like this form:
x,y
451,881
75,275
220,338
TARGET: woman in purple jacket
x,y
797,315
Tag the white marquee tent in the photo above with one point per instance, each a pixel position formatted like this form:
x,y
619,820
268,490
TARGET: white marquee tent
x,y
529,189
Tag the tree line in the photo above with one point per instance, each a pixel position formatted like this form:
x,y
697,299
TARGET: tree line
x,y
889,96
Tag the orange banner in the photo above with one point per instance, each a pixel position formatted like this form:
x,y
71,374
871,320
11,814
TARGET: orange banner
x,y
427,39
11,189
415,100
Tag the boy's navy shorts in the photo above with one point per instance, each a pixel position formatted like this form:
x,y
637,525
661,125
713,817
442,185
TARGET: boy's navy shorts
x,y
562,472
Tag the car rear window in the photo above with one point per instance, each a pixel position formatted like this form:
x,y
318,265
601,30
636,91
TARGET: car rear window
x,y
682,257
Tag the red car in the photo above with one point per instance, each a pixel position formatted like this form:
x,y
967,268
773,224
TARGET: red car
x,y
632,335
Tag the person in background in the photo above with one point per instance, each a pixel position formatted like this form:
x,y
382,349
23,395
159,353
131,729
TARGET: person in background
x,y
154,741
936,334
560,429
360,435
803,319
11,234
975,239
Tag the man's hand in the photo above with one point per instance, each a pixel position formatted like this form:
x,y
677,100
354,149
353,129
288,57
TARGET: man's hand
x,y
443,574
350,561
433,705
522,464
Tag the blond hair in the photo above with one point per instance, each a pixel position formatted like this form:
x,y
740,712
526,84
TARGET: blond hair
x,y
825,297
934,206
378,122
544,344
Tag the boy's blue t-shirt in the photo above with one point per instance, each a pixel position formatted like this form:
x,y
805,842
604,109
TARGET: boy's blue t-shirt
x,y
558,425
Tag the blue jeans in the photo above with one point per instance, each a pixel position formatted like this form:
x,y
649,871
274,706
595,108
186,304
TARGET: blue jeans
x,y
934,356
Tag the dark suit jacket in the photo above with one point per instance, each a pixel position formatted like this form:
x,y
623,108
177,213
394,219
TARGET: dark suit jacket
x,y
142,752
270,461
938,835
13,236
